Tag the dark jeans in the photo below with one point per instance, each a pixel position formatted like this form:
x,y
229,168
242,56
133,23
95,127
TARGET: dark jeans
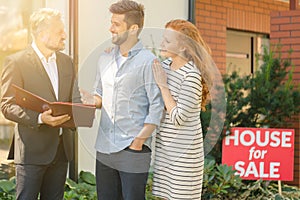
x,y
46,180
122,175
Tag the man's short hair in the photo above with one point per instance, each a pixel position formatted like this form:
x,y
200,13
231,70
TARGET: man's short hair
x,y
133,11
40,19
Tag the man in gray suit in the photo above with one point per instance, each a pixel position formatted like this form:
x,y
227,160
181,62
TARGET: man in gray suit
x,y
42,147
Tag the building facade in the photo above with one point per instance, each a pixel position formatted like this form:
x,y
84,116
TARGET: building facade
x,y
236,29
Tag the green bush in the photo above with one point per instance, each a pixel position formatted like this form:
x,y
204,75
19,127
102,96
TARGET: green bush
x,y
220,183
149,195
266,190
267,98
7,189
85,189
7,170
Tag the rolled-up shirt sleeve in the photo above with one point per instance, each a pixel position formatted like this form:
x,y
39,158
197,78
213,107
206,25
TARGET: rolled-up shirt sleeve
x,y
156,104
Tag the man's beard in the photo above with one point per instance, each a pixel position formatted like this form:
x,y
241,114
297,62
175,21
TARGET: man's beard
x,y
56,47
120,39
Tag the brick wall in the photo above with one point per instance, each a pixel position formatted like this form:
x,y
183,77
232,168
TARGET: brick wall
x,y
214,17
285,30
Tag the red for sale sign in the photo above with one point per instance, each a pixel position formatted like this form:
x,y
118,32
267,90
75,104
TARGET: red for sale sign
x,y
260,153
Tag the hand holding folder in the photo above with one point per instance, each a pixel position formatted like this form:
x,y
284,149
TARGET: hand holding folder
x,y
82,115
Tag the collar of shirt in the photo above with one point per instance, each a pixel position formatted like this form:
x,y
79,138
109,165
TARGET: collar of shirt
x,y
133,51
50,67
40,55
120,59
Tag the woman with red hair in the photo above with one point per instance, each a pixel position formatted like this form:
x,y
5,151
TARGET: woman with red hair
x,y
183,79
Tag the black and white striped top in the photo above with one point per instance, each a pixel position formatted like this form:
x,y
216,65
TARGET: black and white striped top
x,y
179,155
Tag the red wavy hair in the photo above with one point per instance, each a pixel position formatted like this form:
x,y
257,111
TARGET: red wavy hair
x,y
196,50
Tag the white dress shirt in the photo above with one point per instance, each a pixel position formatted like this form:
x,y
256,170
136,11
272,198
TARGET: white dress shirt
x,y
51,69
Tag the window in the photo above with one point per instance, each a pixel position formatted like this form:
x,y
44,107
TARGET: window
x,y
241,48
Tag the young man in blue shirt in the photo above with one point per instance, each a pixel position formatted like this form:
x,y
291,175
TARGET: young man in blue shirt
x,y
131,108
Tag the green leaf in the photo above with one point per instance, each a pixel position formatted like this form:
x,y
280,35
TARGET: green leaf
x,y
88,177
71,183
278,197
7,186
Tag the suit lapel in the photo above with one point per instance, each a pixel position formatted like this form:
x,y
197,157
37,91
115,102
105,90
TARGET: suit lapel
x,y
63,78
39,68
60,76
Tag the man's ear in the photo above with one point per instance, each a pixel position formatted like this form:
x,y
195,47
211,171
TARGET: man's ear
x,y
133,29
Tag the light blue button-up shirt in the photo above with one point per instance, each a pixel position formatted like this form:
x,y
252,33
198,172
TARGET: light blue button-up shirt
x,y
130,98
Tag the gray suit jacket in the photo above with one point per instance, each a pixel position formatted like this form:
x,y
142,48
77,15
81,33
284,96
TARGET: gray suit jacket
x,y
34,143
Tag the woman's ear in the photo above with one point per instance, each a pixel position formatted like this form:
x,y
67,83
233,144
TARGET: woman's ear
x,y
182,49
